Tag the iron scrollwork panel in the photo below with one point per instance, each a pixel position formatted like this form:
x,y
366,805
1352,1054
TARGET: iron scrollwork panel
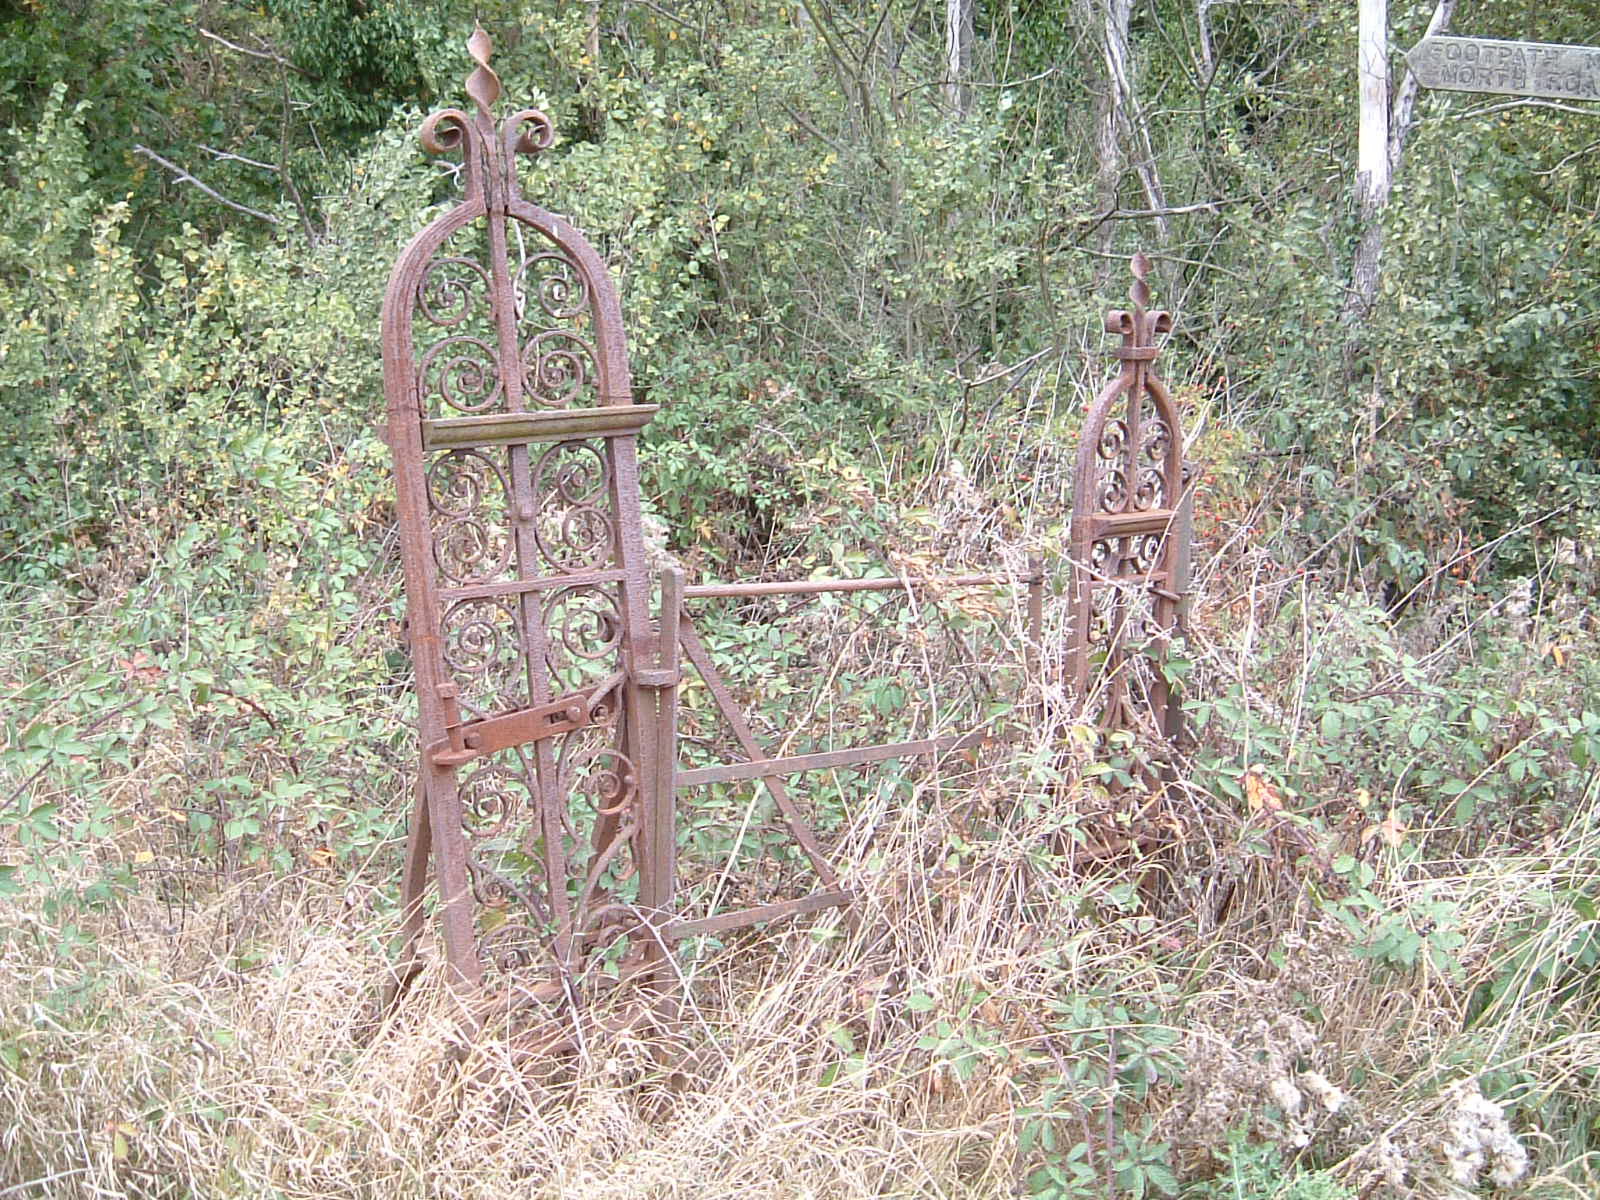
x,y
469,493
575,530
1126,533
553,319
525,577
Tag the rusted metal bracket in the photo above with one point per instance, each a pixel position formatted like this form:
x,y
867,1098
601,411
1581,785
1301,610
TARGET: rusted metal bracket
x,y
505,730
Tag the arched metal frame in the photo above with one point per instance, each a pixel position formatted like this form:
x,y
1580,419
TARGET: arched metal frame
x,y
513,426
1130,534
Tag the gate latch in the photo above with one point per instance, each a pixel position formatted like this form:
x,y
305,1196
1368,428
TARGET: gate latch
x,y
465,741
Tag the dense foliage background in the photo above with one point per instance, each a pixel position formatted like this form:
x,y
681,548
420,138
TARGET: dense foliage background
x,y
867,296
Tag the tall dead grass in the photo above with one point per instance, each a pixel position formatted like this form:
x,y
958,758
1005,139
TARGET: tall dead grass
x,y
146,1060
217,1034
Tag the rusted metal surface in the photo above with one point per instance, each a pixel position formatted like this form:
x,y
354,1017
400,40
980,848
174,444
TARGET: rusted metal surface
x,y
514,429
801,587
825,760
548,692
1131,519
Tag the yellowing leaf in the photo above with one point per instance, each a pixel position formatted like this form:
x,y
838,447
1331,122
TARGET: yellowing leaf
x,y
1259,792
1392,830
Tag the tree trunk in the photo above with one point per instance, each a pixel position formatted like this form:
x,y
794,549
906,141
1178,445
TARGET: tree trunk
x,y
1120,132
1372,157
1202,18
1106,22
1405,104
1380,151
591,123
958,54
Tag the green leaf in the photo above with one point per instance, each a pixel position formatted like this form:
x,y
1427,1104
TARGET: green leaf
x,y
1164,1179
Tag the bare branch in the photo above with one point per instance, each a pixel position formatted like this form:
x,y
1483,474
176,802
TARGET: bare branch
x,y
284,173
223,155
1131,214
1573,157
1405,102
801,120
669,15
268,55
183,176
1091,224
1525,103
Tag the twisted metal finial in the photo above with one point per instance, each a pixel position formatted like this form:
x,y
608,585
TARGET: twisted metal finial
x,y
490,146
483,85
1139,293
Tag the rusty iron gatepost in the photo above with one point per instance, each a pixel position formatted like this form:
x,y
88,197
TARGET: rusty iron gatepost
x,y
539,675
1132,519
547,690
1132,525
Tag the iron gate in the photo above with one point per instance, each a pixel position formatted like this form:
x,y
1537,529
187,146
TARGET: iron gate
x,y
547,688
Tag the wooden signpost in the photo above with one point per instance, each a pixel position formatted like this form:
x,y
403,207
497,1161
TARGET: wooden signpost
x,y
1542,69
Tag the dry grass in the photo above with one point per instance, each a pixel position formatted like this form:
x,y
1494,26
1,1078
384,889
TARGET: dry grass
x,y
158,1063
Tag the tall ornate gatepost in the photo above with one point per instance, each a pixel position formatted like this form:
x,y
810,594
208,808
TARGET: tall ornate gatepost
x,y
1130,535
539,675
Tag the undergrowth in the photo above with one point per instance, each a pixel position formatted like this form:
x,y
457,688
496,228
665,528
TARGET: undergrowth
x,y
1353,958
1347,951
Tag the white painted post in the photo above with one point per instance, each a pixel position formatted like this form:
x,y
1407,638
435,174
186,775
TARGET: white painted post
x,y
957,52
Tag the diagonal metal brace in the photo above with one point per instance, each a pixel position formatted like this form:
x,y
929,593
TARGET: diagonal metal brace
x,y
504,730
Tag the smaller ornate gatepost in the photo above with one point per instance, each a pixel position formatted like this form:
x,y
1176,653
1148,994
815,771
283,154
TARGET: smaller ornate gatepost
x,y
1130,535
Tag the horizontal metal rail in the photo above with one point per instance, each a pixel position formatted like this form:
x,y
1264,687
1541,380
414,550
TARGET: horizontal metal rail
x,y
518,587
827,759
702,591
815,902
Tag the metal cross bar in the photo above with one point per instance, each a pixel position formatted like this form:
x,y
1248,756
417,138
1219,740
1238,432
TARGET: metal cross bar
x,y
795,764
801,587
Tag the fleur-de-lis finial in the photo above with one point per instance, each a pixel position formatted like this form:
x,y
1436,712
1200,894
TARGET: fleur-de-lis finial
x,y
483,85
